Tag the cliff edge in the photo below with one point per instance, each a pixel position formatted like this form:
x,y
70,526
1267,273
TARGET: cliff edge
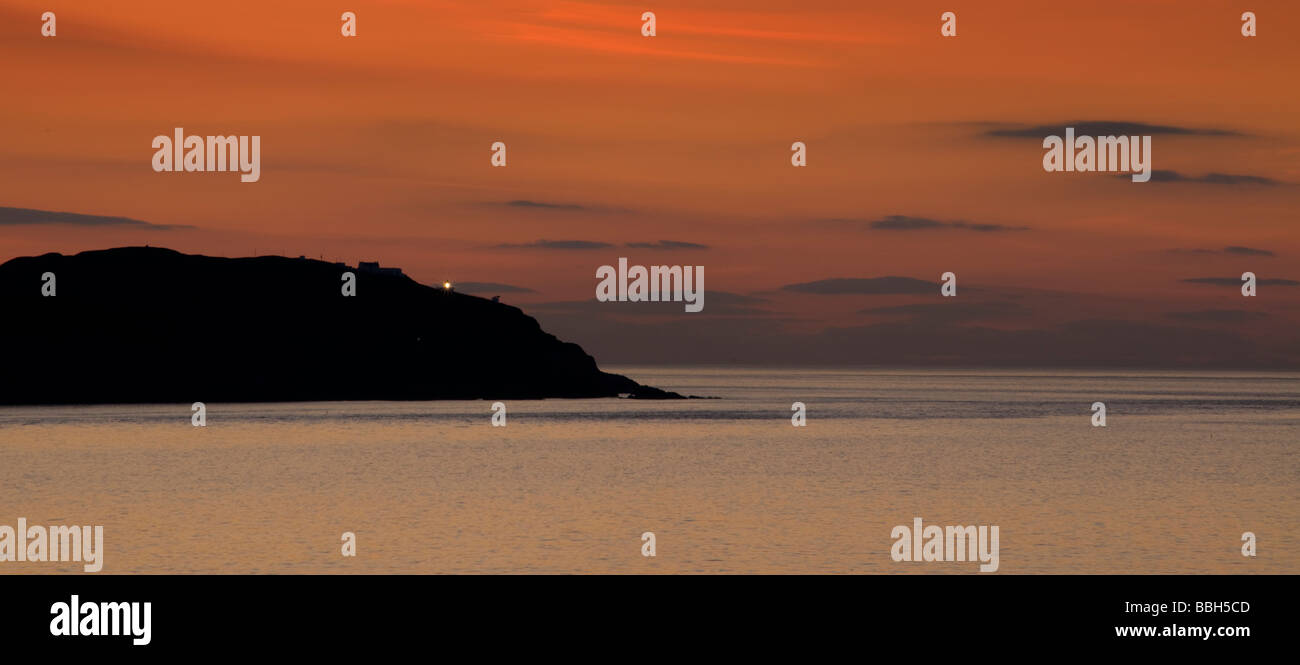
x,y
145,324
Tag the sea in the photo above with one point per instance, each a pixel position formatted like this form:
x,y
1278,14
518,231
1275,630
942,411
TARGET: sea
x,y
1188,464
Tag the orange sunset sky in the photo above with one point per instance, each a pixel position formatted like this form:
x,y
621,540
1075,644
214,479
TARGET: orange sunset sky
x,y
924,156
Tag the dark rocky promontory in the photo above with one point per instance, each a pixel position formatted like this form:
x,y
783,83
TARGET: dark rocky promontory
x,y
141,324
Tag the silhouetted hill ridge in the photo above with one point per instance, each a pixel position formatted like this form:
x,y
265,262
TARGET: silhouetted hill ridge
x,y
148,324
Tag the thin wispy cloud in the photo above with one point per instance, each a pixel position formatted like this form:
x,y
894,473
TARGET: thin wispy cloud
x,y
617,44
525,203
491,287
1105,128
1235,250
666,244
556,244
1217,316
596,244
555,206
1165,175
31,216
709,35
890,285
1236,281
953,312
910,223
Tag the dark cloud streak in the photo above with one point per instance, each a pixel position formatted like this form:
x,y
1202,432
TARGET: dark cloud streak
x,y
666,244
1236,281
1236,250
485,287
952,312
865,286
1164,175
556,244
1217,316
31,216
1105,128
525,203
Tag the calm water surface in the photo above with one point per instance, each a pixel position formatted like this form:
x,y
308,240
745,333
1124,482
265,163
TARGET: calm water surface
x,y
1187,463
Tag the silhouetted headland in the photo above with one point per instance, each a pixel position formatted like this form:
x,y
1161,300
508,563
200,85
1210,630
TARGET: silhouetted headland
x,y
152,325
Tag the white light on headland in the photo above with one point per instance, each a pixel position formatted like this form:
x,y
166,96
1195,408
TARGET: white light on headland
x,y
446,286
